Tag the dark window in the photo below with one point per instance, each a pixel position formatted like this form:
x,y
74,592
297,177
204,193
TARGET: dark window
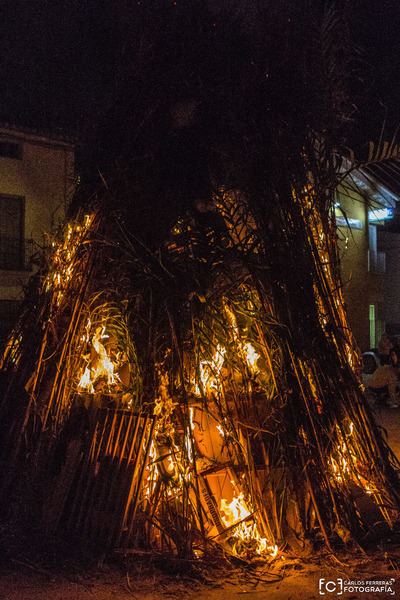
x,y
12,244
9,310
10,150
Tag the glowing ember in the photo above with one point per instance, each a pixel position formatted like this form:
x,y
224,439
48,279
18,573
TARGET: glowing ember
x,y
62,268
344,462
191,417
167,459
11,351
251,357
232,321
152,473
209,371
221,431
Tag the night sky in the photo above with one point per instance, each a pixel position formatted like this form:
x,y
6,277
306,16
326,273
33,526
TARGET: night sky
x,y
376,33
60,60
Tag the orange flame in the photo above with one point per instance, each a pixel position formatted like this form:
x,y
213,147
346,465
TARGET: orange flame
x,y
101,367
246,530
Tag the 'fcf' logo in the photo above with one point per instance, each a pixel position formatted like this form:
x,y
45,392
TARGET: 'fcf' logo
x,y
331,587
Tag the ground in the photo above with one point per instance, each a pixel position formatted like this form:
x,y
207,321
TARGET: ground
x,y
30,582
22,578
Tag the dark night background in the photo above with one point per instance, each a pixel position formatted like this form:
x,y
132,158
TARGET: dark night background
x,y
75,64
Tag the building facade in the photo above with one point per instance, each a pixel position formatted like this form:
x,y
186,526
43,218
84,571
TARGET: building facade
x,y
36,186
369,243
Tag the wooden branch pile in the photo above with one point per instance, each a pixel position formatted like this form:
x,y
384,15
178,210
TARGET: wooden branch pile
x,y
199,395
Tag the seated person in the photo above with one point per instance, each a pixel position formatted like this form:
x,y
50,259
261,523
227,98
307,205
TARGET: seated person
x,y
384,348
385,379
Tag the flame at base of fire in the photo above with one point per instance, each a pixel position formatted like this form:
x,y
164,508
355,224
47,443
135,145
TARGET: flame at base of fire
x,y
244,533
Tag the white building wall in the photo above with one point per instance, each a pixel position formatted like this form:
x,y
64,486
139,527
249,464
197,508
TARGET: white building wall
x,y
43,175
390,243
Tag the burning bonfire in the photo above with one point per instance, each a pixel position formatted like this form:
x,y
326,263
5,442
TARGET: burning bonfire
x,y
188,398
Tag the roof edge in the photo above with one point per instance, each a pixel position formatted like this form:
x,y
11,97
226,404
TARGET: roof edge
x,y
39,134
